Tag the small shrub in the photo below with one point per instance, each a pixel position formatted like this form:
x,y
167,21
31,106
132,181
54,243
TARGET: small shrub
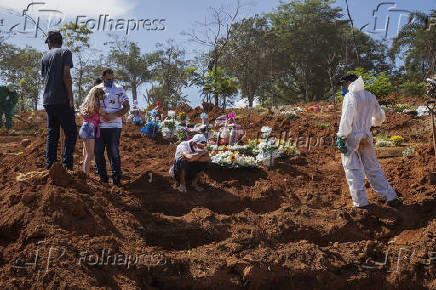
x,y
379,85
412,89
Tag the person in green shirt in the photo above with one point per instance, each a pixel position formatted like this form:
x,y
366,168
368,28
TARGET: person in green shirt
x,y
8,100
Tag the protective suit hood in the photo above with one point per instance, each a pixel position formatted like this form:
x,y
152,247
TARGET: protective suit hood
x,y
357,86
360,111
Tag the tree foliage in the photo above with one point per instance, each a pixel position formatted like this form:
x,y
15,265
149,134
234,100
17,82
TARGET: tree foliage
x,y
129,63
416,46
169,71
76,38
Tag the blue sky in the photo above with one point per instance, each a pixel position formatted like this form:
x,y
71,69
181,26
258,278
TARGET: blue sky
x,y
182,15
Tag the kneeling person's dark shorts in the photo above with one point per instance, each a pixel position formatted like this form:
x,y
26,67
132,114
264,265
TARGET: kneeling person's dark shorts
x,y
192,169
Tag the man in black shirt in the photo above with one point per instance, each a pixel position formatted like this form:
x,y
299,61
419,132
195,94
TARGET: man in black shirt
x,y
58,100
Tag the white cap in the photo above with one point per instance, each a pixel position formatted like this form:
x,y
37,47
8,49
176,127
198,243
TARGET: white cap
x,y
199,139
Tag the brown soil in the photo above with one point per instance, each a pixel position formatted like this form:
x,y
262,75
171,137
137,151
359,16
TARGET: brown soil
x,y
291,227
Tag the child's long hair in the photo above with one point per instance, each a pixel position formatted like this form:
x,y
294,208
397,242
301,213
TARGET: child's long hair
x,y
92,106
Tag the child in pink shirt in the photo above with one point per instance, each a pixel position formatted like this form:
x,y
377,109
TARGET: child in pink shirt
x,y
90,129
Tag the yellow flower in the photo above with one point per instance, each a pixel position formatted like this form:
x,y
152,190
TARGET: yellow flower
x,y
220,152
257,141
282,142
287,150
397,140
232,158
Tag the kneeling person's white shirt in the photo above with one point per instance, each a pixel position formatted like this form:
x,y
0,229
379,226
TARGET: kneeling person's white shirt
x,y
183,147
112,103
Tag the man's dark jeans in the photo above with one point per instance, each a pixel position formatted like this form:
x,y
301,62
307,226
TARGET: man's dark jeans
x,y
109,140
60,116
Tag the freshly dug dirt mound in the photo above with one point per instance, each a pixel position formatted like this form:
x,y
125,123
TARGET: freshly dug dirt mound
x,y
291,227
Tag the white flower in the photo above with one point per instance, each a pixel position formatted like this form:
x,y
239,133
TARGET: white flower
x,y
171,114
224,159
384,143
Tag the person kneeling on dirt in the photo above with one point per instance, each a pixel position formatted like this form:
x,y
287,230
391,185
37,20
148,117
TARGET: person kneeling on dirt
x,y
360,111
192,158
8,100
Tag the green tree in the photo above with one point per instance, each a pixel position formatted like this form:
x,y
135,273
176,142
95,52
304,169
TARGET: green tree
x,y
247,56
214,34
21,67
416,45
216,82
379,84
129,65
313,45
76,38
306,33
169,71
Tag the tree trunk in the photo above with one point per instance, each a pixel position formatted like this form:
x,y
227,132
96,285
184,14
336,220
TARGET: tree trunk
x,y
250,101
215,71
134,92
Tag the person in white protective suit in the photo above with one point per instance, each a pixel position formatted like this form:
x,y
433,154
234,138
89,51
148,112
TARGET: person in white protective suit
x,y
360,111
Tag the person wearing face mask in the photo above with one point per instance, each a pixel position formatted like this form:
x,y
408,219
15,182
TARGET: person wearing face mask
x,y
191,158
115,105
58,100
360,111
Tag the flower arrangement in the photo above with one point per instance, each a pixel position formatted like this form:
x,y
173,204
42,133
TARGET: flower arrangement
x,y
287,150
292,112
408,151
384,143
312,109
237,148
289,113
265,132
231,160
400,108
181,135
397,140
170,124
268,152
181,117
252,146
